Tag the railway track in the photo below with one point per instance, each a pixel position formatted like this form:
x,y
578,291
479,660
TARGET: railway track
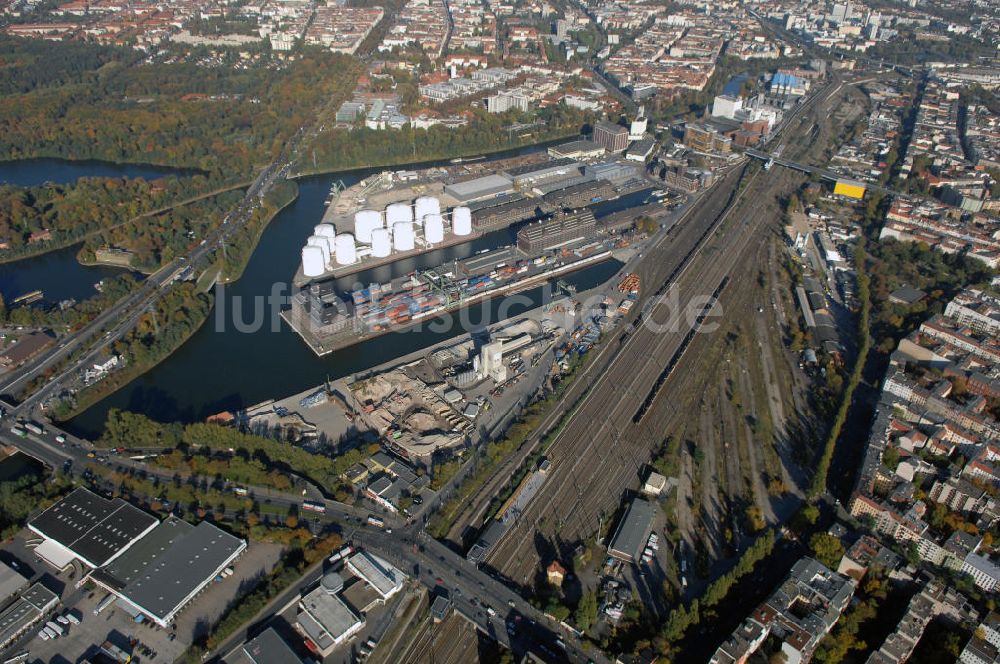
x,y
587,480
580,485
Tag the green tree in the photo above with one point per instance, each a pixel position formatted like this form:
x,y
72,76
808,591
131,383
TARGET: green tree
x,y
827,549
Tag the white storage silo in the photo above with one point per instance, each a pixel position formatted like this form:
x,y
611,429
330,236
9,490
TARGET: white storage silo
x,y
365,221
381,245
325,230
461,221
434,228
426,205
321,242
313,264
402,236
398,212
331,248
346,252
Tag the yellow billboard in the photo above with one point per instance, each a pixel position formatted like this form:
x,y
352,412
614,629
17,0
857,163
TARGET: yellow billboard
x,y
849,189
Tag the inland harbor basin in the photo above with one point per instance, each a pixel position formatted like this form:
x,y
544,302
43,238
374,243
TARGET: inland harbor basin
x,y
556,214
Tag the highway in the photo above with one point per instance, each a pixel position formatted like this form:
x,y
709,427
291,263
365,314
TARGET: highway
x,y
83,346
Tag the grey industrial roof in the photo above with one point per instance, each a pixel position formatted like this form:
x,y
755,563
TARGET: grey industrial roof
x,y
93,528
267,648
484,186
27,609
169,564
552,164
378,573
630,538
11,582
326,617
579,145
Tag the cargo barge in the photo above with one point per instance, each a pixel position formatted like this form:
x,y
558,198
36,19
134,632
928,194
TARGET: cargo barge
x,y
329,321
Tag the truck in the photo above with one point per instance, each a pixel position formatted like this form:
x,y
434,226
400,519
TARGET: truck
x,y
70,616
115,653
241,491
55,627
376,521
18,431
103,604
34,428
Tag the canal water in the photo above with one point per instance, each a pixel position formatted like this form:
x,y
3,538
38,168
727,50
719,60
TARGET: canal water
x,y
58,274
222,367
732,86
32,172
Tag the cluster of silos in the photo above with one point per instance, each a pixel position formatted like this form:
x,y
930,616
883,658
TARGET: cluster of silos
x,y
319,249
393,230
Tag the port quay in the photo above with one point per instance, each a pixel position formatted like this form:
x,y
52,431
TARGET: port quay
x,y
547,204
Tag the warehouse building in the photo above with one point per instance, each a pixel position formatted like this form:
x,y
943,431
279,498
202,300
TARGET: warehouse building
x,y
612,171
12,583
478,188
613,137
580,149
502,211
560,231
267,648
27,611
530,175
326,620
641,150
86,527
630,538
159,575
376,572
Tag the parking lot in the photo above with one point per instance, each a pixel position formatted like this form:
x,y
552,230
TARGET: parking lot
x,y
145,641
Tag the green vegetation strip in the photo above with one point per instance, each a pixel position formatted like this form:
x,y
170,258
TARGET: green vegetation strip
x,y
685,616
818,485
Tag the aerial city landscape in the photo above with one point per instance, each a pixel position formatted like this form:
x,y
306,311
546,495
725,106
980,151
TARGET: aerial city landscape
x,y
458,331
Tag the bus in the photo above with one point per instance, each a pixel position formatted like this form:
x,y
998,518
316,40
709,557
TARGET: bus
x,y
376,521
34,428
312,506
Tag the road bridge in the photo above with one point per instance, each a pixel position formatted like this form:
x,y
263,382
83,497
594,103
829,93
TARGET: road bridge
x,y
772,158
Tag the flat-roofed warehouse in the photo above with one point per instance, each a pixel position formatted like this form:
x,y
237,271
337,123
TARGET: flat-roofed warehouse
x,y
25,612
326,620
89,528
561,230
530,174
266,648
472,190
165,570
633,531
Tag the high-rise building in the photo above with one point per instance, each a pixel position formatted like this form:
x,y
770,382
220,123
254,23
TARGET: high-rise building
x,y
613,137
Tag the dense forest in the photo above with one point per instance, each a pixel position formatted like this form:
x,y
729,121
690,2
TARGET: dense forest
x,y
337,149
69,212
107,106
158,239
